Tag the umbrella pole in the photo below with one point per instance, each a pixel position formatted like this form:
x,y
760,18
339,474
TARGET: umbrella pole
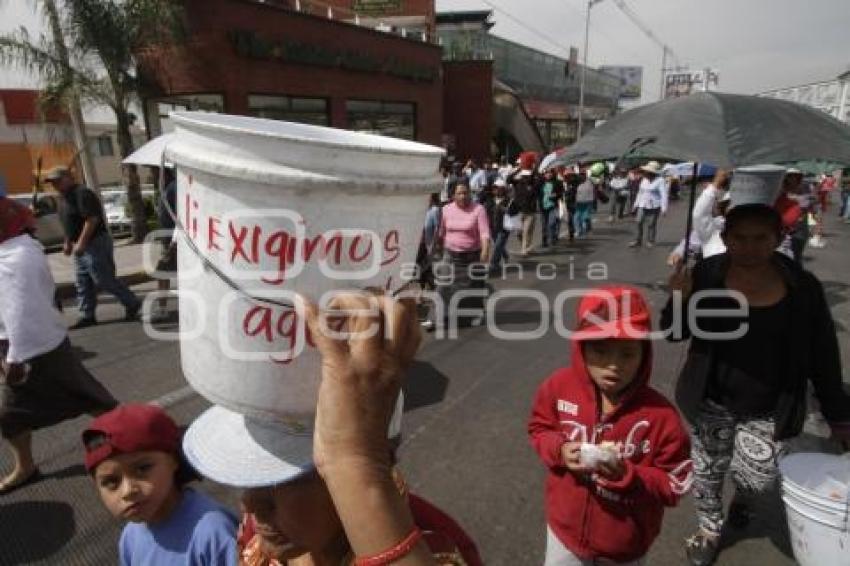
x,y
690,221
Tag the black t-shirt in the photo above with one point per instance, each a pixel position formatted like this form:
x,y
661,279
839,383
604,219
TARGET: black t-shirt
x,y
81,203
749,373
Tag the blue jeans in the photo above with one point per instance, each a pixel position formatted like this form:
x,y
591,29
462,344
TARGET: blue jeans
x,y
551,226
499,249
581,218
96,269
845,209
647,215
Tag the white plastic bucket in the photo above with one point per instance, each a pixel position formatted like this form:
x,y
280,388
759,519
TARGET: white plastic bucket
x,y
818,520
275,208
756,184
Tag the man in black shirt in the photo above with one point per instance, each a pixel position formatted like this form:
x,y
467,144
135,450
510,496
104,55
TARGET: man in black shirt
x,y
87,238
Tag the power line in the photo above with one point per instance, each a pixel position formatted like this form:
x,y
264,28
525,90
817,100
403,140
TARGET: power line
x,y
527,27
629,13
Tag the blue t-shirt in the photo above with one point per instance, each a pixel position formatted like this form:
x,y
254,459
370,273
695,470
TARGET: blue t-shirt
x,y
199,532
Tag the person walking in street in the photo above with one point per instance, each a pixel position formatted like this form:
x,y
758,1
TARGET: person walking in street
x,y
88,239
651,201
464,239
707,219
551,191
499,234
744,386
42,382
614,448
526,198
619,186
167,263
585,197
794,205
571,181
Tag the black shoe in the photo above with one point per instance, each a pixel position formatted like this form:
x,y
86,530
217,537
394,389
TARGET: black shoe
x,y
739,515
83,323
132,313
702,549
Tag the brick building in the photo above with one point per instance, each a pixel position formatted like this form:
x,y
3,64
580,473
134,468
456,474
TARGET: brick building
x,y
269,60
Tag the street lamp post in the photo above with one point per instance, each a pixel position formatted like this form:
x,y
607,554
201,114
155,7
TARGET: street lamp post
x,y
590,4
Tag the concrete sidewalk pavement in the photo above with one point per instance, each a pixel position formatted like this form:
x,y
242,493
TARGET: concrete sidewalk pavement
x,y
129,266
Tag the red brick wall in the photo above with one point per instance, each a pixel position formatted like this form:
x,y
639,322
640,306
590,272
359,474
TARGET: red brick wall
x,y
210,64
468,106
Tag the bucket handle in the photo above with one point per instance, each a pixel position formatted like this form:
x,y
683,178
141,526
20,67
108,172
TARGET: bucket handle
x,y
210,265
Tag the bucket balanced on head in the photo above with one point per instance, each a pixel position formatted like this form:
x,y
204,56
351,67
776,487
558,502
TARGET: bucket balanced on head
x,y
269,209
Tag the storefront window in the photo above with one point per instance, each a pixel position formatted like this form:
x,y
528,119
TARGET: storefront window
x,y
395,119
292,109
158,109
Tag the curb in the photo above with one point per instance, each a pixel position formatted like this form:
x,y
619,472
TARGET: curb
x,y
68,290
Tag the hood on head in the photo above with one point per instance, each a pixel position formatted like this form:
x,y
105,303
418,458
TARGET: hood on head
x,y
613,312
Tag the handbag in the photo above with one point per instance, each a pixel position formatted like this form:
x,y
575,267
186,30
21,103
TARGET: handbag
x,y
512,223
601,195
563,211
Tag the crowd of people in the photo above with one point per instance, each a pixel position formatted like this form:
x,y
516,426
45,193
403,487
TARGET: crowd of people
x,y
613,448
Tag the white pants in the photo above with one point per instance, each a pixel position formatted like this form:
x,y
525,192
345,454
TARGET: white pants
x,y
559,555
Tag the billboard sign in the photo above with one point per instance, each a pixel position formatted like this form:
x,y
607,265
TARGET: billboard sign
x,y
677,84
631,80
376,6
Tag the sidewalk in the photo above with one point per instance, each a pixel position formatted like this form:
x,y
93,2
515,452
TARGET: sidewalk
x,y
129,265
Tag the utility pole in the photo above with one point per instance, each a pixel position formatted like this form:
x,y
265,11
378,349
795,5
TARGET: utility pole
x,y
663,72
590,4
74,109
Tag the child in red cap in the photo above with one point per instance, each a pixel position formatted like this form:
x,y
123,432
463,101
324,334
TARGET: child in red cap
x,y
133,453
616,450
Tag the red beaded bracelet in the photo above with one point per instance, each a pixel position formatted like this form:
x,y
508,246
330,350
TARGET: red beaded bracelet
x,y
397,552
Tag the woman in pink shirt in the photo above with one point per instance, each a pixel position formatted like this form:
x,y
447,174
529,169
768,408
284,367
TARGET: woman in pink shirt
x,y
464,229
464,236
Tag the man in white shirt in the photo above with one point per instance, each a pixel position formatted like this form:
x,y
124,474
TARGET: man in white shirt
x,y
651,201
707,224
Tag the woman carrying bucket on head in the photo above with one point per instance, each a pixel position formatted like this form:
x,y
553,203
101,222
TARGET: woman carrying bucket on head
x,y
334,497
744,385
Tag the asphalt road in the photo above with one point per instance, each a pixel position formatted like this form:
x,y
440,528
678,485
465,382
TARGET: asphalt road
x,y
464,447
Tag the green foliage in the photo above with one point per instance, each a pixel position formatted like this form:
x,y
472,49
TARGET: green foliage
x,y
102,38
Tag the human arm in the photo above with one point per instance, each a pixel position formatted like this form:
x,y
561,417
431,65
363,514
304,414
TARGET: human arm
x,y
680,285
483,232
361,380
665,196
544,430
669,474
91,211
89,227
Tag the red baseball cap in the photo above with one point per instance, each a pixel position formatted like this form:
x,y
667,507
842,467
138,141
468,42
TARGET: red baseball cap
x,y
613,311
127,429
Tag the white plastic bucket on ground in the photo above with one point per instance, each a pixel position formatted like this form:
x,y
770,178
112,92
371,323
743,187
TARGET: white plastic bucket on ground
x,y
275,208
816,502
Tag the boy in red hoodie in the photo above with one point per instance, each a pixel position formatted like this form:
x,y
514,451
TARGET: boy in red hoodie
x,y
616,449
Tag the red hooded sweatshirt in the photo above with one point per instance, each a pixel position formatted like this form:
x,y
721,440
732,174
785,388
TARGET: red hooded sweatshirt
x,y
593,517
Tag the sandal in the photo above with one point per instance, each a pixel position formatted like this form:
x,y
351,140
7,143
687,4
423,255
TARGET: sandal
x,y
702,549
7,488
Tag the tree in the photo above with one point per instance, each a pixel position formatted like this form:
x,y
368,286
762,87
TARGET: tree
x,y
103,39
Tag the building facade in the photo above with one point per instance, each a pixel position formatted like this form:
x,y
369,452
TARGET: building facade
x,y
832,97
548,86
33,139
270,60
